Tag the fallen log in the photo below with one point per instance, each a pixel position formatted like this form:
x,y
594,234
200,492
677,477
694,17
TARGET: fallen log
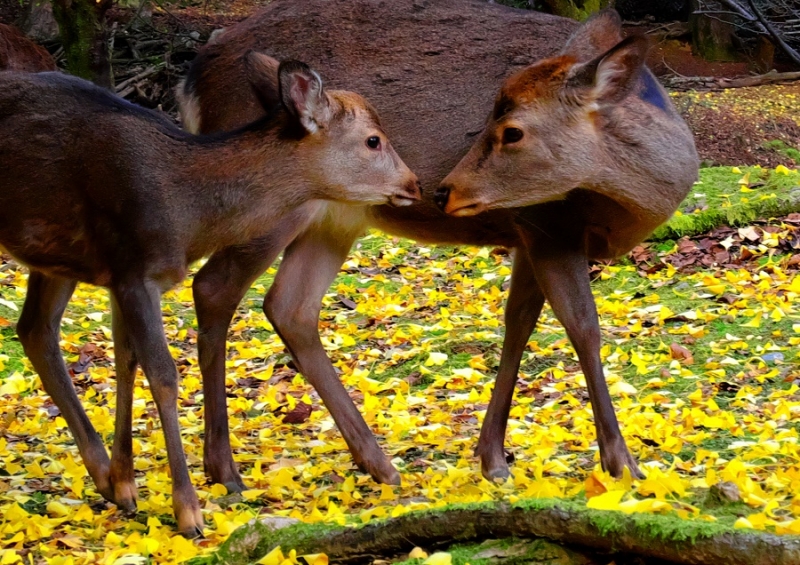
x,y
714,83
647,535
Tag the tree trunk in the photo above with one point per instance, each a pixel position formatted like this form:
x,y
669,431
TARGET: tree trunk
x,y
38,22
712,35
84,36
576,9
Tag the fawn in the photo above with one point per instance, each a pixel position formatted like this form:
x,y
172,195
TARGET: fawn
x,y
98,190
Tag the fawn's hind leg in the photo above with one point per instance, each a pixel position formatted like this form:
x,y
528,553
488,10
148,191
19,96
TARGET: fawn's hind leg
x,y
38,330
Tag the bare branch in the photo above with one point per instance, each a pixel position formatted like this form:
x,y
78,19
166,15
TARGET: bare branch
x,y
793,55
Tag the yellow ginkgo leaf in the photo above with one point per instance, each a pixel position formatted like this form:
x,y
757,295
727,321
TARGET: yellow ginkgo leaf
x,y
274,557
607,501
439,558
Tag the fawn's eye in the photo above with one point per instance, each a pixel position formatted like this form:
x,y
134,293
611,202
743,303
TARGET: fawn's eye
x,y
512,135
374,142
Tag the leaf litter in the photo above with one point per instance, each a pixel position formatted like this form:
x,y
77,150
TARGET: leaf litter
x,y
700,343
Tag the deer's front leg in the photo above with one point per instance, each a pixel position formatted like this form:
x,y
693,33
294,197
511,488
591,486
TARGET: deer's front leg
x,y
524,304
563,275
140,305
293,303
38,330
218,288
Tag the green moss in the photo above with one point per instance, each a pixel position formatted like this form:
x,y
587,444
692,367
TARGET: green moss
x,y
256,539
779,146
717,199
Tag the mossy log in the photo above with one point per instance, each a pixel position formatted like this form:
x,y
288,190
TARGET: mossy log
x,y
738,215
646,535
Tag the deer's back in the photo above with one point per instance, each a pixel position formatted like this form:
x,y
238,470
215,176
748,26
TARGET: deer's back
x,y
430,67
78,164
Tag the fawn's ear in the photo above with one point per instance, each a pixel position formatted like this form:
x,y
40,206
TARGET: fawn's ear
x,y
610,77
262,72
596,35
303,96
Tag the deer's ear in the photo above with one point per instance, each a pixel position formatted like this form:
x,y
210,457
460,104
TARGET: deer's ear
x,y
610,77
596,35
303,96
262,72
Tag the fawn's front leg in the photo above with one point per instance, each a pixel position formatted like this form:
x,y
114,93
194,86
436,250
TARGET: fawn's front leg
x,y
140,305
218,288
122,473
293,303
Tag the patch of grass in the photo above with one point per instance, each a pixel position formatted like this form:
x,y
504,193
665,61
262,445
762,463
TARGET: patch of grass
x,y
779,146
723,196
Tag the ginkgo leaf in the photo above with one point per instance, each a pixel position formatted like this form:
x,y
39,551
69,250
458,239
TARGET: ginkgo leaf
x,y
439,558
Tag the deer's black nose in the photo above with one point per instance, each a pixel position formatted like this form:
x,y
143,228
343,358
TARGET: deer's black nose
x,y
441,195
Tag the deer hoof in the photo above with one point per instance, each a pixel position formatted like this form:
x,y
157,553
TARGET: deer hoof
x,y
235,486
125,496
615,460
190,522
386,474
225,474
383,472
495,473
494,463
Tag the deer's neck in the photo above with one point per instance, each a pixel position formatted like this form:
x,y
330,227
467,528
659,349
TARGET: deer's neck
x,y
239,189
647,170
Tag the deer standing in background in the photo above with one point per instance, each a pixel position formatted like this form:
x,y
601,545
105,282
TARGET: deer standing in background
x,y
18,53
97,190
432,68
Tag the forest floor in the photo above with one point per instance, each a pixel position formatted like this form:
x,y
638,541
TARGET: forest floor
x,y
700,333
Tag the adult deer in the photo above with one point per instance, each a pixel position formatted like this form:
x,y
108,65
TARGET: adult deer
x,y
97,190
432,68
18,53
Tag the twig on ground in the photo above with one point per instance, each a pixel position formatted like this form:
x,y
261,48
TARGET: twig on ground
x,y
121,87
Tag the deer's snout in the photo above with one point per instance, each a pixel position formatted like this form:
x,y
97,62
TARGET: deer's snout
x,y
454,200
414,189
441,195
410,192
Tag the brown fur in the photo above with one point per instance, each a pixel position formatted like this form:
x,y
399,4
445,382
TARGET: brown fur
x,y
586,126
542,80
156,200
432,69
18,53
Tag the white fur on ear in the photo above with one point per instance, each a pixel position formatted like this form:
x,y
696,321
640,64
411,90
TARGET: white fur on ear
x,y
303,96
610,77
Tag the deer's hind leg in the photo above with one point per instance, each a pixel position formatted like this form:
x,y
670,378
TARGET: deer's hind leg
x,y
38,330
121,472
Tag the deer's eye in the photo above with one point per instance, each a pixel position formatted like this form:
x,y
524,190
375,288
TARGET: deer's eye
x,y
374,142
512,135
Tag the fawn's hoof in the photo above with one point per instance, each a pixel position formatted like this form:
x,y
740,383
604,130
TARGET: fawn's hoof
x,y
494,468
125,496
494,462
